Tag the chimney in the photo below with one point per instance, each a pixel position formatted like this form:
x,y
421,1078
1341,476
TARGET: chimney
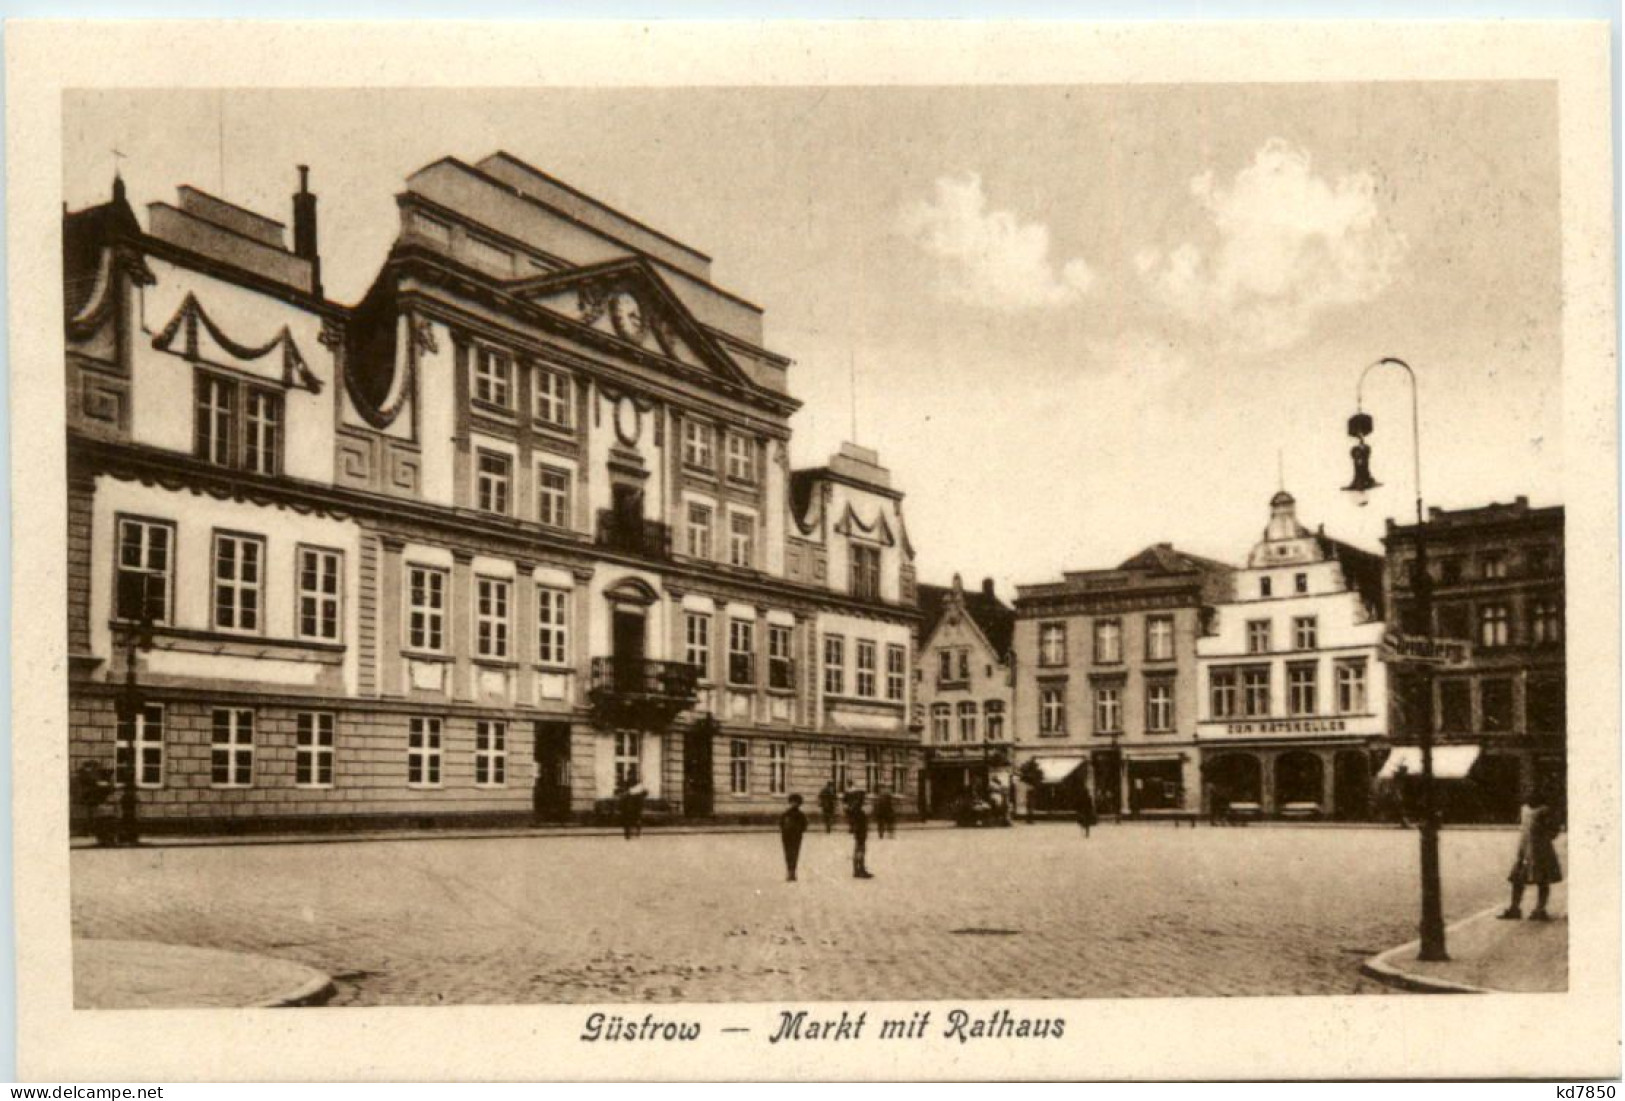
x,y
304,228
987,587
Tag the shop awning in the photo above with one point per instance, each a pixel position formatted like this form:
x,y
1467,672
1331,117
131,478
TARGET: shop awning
x,y
1450,762
1056,769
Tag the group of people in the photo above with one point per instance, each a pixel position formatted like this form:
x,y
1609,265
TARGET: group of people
x,y
793,825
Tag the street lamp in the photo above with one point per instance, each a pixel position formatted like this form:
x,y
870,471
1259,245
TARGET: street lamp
x,y
134,596
1360,426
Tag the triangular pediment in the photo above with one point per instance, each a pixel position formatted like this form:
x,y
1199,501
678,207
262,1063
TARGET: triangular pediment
x,y
628,300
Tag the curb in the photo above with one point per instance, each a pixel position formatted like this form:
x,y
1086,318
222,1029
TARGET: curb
x,y
1381,967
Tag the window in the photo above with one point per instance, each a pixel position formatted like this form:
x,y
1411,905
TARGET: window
x,y
319,593
1546,622
1303,632
866,668
1494,626
493,378
1108,641
1159,706
1449,570
1495,699
1222,693
1455,706
231,747
837,767
1255,692
423,753
778,768
493,479
964,664
1263,586
426,608
552,398
1494,566
896,673
778,657
697,451
140,747
1159,638
1108,709
871,768
993,712
967,721
1052,710
941,721
865,566
490,753
741,651
834,665
1351,687
1301,682
552,625
490,617
216,436
697,643
553,496
628,757
1300,582
1052,644
945,667
1538,561
699,530
262,440
739,767
741,539
144,564
238,569
1258,636
899,773
741,458
313,750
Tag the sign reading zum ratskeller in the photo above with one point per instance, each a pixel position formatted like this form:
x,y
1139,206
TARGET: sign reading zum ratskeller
x,y
1423,650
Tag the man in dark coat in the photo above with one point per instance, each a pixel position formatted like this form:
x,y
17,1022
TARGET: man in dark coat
x,y
792,824
885,815
826,805
1086,810
859,821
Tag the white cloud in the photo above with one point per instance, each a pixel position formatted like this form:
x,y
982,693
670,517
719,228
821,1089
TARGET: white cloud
x,y
1283,246
994,259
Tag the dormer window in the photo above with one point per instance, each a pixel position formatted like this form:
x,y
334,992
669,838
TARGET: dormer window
x,y
698,446
741,458
552,398
237,424
865,572
493,378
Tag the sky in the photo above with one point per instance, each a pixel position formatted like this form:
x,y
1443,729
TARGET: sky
x,y
1073,321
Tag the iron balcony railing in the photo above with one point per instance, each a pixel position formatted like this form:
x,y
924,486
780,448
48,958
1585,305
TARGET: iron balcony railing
x,y
672,681
633,534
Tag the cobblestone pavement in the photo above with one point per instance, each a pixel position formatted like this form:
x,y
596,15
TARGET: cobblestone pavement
x,y
1034,911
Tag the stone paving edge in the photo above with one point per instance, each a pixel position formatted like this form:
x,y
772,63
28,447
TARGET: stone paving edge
x,y
318,991
1381,967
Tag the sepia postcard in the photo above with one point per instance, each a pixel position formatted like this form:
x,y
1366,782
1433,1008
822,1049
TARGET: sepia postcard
x,y
814,551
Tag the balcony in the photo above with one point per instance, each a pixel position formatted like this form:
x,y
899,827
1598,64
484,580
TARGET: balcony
x,y
640,693
633,534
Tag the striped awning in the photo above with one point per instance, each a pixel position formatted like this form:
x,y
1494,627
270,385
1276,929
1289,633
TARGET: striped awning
x,y
1057,769
1450,762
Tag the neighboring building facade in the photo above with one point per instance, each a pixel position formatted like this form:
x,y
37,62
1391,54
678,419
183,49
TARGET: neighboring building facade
x,y
1497,584
517,528
963,693
1294,698
1106,682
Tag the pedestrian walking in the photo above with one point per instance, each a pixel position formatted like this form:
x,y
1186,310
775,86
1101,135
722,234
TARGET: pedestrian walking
x,y
792,824
1218,806
1536,860
885,815
1086,810
858,819
826,805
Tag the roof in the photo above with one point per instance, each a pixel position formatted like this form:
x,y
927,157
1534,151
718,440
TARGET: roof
x,y
992,616
1362,570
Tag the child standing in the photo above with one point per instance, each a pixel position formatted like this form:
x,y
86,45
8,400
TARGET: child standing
x,y
792,824
1536,861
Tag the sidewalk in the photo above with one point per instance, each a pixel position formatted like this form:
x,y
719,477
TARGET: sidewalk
x,y
1487,955
459,833
136,974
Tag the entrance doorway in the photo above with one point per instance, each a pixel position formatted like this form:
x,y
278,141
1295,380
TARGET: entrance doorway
x,y
627,630
551,796
699,792
1351,784
1155,785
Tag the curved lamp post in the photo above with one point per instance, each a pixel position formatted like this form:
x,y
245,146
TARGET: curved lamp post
x,y
1360,426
